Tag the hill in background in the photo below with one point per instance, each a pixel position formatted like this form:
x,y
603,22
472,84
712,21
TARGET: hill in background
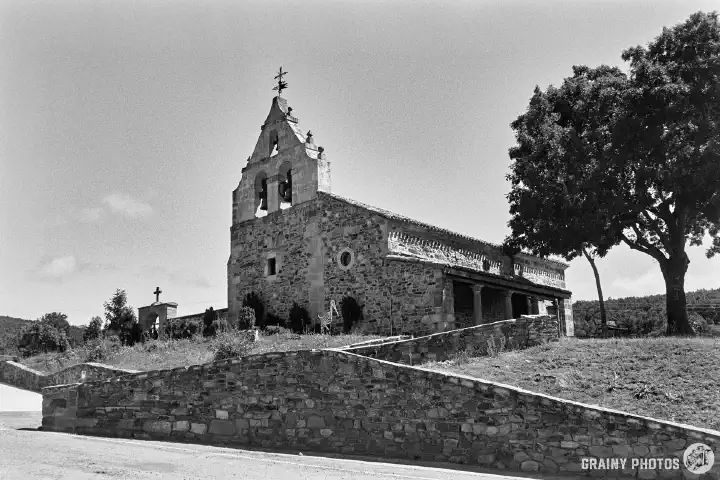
x,y
644,314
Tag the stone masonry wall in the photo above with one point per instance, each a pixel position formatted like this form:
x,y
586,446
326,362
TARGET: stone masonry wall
x,y
20,376
310,401
520,333
306,241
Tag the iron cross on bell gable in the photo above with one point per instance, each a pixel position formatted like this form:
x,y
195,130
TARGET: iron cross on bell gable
x,y
282,84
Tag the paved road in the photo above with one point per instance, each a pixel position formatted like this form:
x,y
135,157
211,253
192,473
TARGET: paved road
x,y
32,454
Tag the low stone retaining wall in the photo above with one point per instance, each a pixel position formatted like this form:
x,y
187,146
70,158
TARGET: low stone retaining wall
x,y
526,331
335,401
20,376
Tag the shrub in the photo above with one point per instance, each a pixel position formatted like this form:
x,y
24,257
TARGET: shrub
x,y
299,317
221,325
181,328
697,322
101,349
209,317
247,318
230,345
275,330
351,312
253,301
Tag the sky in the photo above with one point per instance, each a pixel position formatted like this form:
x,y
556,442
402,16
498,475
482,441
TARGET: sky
x,y
124,126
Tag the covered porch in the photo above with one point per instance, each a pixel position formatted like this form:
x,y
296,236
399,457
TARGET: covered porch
x,y
477,299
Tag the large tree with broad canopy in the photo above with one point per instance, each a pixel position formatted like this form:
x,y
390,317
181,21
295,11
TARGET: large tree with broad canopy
x,y
610,158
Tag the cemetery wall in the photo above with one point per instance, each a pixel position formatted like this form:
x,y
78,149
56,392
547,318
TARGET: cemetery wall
x,y
340,402
20,376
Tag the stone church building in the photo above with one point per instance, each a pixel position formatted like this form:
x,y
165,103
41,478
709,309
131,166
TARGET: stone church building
x,y
293,240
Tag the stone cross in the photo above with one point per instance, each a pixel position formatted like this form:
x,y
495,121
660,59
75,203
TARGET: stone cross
x,y
282,84
157,293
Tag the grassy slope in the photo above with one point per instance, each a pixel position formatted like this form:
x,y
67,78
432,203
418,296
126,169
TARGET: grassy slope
x,y
155,355
673,379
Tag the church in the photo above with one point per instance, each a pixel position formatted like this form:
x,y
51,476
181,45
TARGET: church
x,y
294,241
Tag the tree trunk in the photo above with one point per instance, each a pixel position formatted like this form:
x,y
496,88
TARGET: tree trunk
x,y
603,316
677,318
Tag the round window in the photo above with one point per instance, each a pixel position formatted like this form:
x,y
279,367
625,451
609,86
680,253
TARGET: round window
x,y
346,259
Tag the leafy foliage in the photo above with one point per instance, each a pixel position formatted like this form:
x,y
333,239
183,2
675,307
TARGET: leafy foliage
x,y
253,301
40,337
93,330
246,318
121,319
230,345
10,328
608,158
179,328
209,319
299,318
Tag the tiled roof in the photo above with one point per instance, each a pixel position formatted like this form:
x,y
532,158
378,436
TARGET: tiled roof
x,y
394,216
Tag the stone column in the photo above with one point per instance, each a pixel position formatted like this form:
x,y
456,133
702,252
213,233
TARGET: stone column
x,y
477,303
448,296
561,316
534,304
508,304
557,315
529,304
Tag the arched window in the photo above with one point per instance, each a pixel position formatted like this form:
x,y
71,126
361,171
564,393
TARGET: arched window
x,y
261,194
285,185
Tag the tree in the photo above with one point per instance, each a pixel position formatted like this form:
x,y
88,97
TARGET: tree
x,y
209,318
120,317
93,330
41,337
639,155
58,321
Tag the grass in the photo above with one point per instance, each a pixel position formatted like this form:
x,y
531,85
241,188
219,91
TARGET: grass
x,y
162,354
670,378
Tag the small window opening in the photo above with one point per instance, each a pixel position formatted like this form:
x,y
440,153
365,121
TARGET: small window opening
x,y
263,194
274,144
271,266
345,259
285,189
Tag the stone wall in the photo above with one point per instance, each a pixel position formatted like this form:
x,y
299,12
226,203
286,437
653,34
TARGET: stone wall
x,y
310,401
306,242
520,333
20,376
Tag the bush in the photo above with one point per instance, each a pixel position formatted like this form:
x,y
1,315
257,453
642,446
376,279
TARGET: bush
x,y
275,330
209,318
178,329
221,325
247,318
253,301
697,322
101,349
351,312
299,317
230,345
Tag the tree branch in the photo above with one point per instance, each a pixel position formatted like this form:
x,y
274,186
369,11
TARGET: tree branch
x,y
645,248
